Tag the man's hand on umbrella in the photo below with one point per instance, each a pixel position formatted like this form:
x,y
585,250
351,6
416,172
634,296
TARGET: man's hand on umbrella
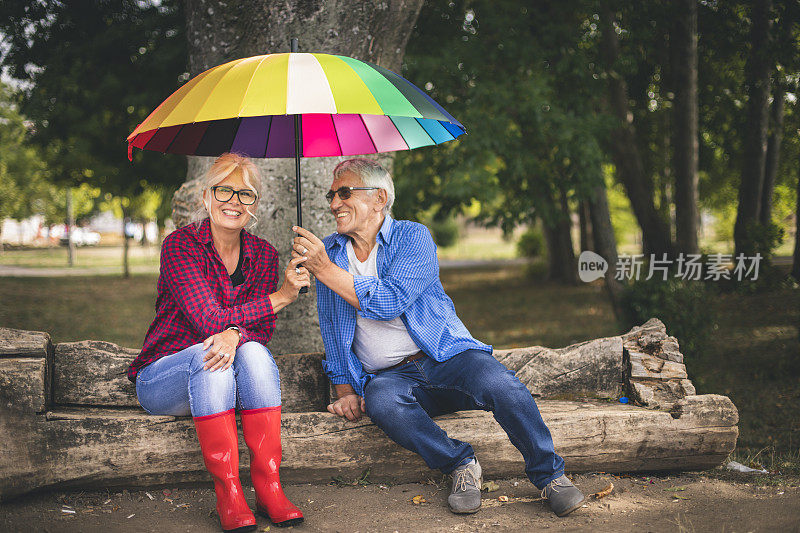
x,y
307,245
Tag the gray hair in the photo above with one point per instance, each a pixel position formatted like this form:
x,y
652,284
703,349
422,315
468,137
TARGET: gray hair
x,y
372,175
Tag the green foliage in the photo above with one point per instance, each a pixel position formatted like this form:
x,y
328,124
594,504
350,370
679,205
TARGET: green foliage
x,y
92,71
531,243
682,305
517,77
445,231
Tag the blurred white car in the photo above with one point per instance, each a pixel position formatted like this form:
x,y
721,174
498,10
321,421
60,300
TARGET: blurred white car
x,y
82,237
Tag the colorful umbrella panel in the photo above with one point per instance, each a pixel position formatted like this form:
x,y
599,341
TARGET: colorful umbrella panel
x,y
347,107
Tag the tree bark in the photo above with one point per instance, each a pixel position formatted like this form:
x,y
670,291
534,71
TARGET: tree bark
x,y
773,155
757,71
625,153
221,31
685,141
76,421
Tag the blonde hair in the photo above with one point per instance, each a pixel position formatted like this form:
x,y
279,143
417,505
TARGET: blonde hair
x,y
224,166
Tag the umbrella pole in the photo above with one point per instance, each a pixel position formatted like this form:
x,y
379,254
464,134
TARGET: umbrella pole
x,y
297,138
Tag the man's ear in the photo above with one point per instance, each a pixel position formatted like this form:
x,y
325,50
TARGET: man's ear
x,y
382,199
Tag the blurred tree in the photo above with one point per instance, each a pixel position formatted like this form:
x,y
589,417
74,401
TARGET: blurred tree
x,y
92,71
624,146
24,175
760,64
683,67
518,78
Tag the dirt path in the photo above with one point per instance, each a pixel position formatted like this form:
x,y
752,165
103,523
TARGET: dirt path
x,y
684,503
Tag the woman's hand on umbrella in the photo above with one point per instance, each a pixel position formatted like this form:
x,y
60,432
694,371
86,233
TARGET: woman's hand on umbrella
x,y
296,276
221,350
307,245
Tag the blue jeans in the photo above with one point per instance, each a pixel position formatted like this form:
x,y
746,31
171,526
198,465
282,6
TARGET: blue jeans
x,y
401,401
179,385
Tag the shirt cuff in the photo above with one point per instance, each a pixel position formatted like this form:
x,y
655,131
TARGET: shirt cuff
x,y
364,287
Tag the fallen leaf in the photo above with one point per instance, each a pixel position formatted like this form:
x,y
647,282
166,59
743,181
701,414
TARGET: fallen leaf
x,y
603,493
418,500
503,498
675,489
680,497
490,486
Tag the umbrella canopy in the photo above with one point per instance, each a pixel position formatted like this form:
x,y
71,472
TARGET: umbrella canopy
x,y
248,106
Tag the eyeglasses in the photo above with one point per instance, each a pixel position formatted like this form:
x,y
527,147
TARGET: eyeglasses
x,y
345,192
223,193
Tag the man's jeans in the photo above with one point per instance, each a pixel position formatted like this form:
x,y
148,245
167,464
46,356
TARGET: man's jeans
x,y
401,401
179,385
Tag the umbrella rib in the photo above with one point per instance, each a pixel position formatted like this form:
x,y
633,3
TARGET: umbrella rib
x,y
426,132
375,146
174,138
249,83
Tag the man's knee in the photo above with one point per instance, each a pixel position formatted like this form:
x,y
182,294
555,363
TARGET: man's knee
x,y
384,398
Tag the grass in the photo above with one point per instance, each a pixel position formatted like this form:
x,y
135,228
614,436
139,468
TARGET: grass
x,y
91,257
77,308
753,355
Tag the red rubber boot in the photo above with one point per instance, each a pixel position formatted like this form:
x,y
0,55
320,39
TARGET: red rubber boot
x,y
220,447
262,433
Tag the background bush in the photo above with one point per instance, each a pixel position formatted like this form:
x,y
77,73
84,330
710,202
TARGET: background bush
x,y
682,305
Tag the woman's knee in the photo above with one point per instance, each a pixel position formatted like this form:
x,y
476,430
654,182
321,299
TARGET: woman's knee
x,y
255,359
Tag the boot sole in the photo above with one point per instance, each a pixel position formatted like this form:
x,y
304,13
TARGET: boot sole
x,y
469,511
573,508
241,529
286,523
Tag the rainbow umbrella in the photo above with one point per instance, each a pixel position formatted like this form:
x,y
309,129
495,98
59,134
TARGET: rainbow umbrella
x,y
295,105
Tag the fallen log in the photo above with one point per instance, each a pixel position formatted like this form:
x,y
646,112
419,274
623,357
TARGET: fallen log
x,y
86,430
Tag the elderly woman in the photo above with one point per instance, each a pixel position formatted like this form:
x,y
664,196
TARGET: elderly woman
x,y
204,354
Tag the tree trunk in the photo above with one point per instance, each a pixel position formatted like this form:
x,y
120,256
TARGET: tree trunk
x,y
587,241
560,253
606,245
757,73
70,227
370,31
773,152
685,141
625,153
796,261
125,245
76,421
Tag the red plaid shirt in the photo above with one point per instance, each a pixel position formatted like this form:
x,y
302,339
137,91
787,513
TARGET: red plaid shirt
x,y
196,298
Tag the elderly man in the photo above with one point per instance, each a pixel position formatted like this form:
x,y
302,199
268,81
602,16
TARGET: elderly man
x,y
396,351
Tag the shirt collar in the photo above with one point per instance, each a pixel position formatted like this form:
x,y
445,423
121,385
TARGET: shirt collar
x,y
384,234
204,235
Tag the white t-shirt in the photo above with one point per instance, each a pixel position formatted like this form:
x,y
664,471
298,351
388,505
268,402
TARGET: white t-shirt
x,y
378,344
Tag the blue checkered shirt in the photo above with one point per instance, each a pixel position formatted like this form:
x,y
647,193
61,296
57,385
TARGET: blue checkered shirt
x,y
407,286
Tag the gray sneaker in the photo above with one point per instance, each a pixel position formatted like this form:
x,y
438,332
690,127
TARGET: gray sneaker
x,y
563,496
465,496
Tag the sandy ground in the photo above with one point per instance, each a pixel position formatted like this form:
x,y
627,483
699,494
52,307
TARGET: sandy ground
x,y
692,502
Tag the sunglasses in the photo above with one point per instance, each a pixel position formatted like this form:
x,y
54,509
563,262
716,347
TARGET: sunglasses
x,y
223,193
346,192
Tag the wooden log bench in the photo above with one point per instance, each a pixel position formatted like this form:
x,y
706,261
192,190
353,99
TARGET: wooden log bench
x,y
69,417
